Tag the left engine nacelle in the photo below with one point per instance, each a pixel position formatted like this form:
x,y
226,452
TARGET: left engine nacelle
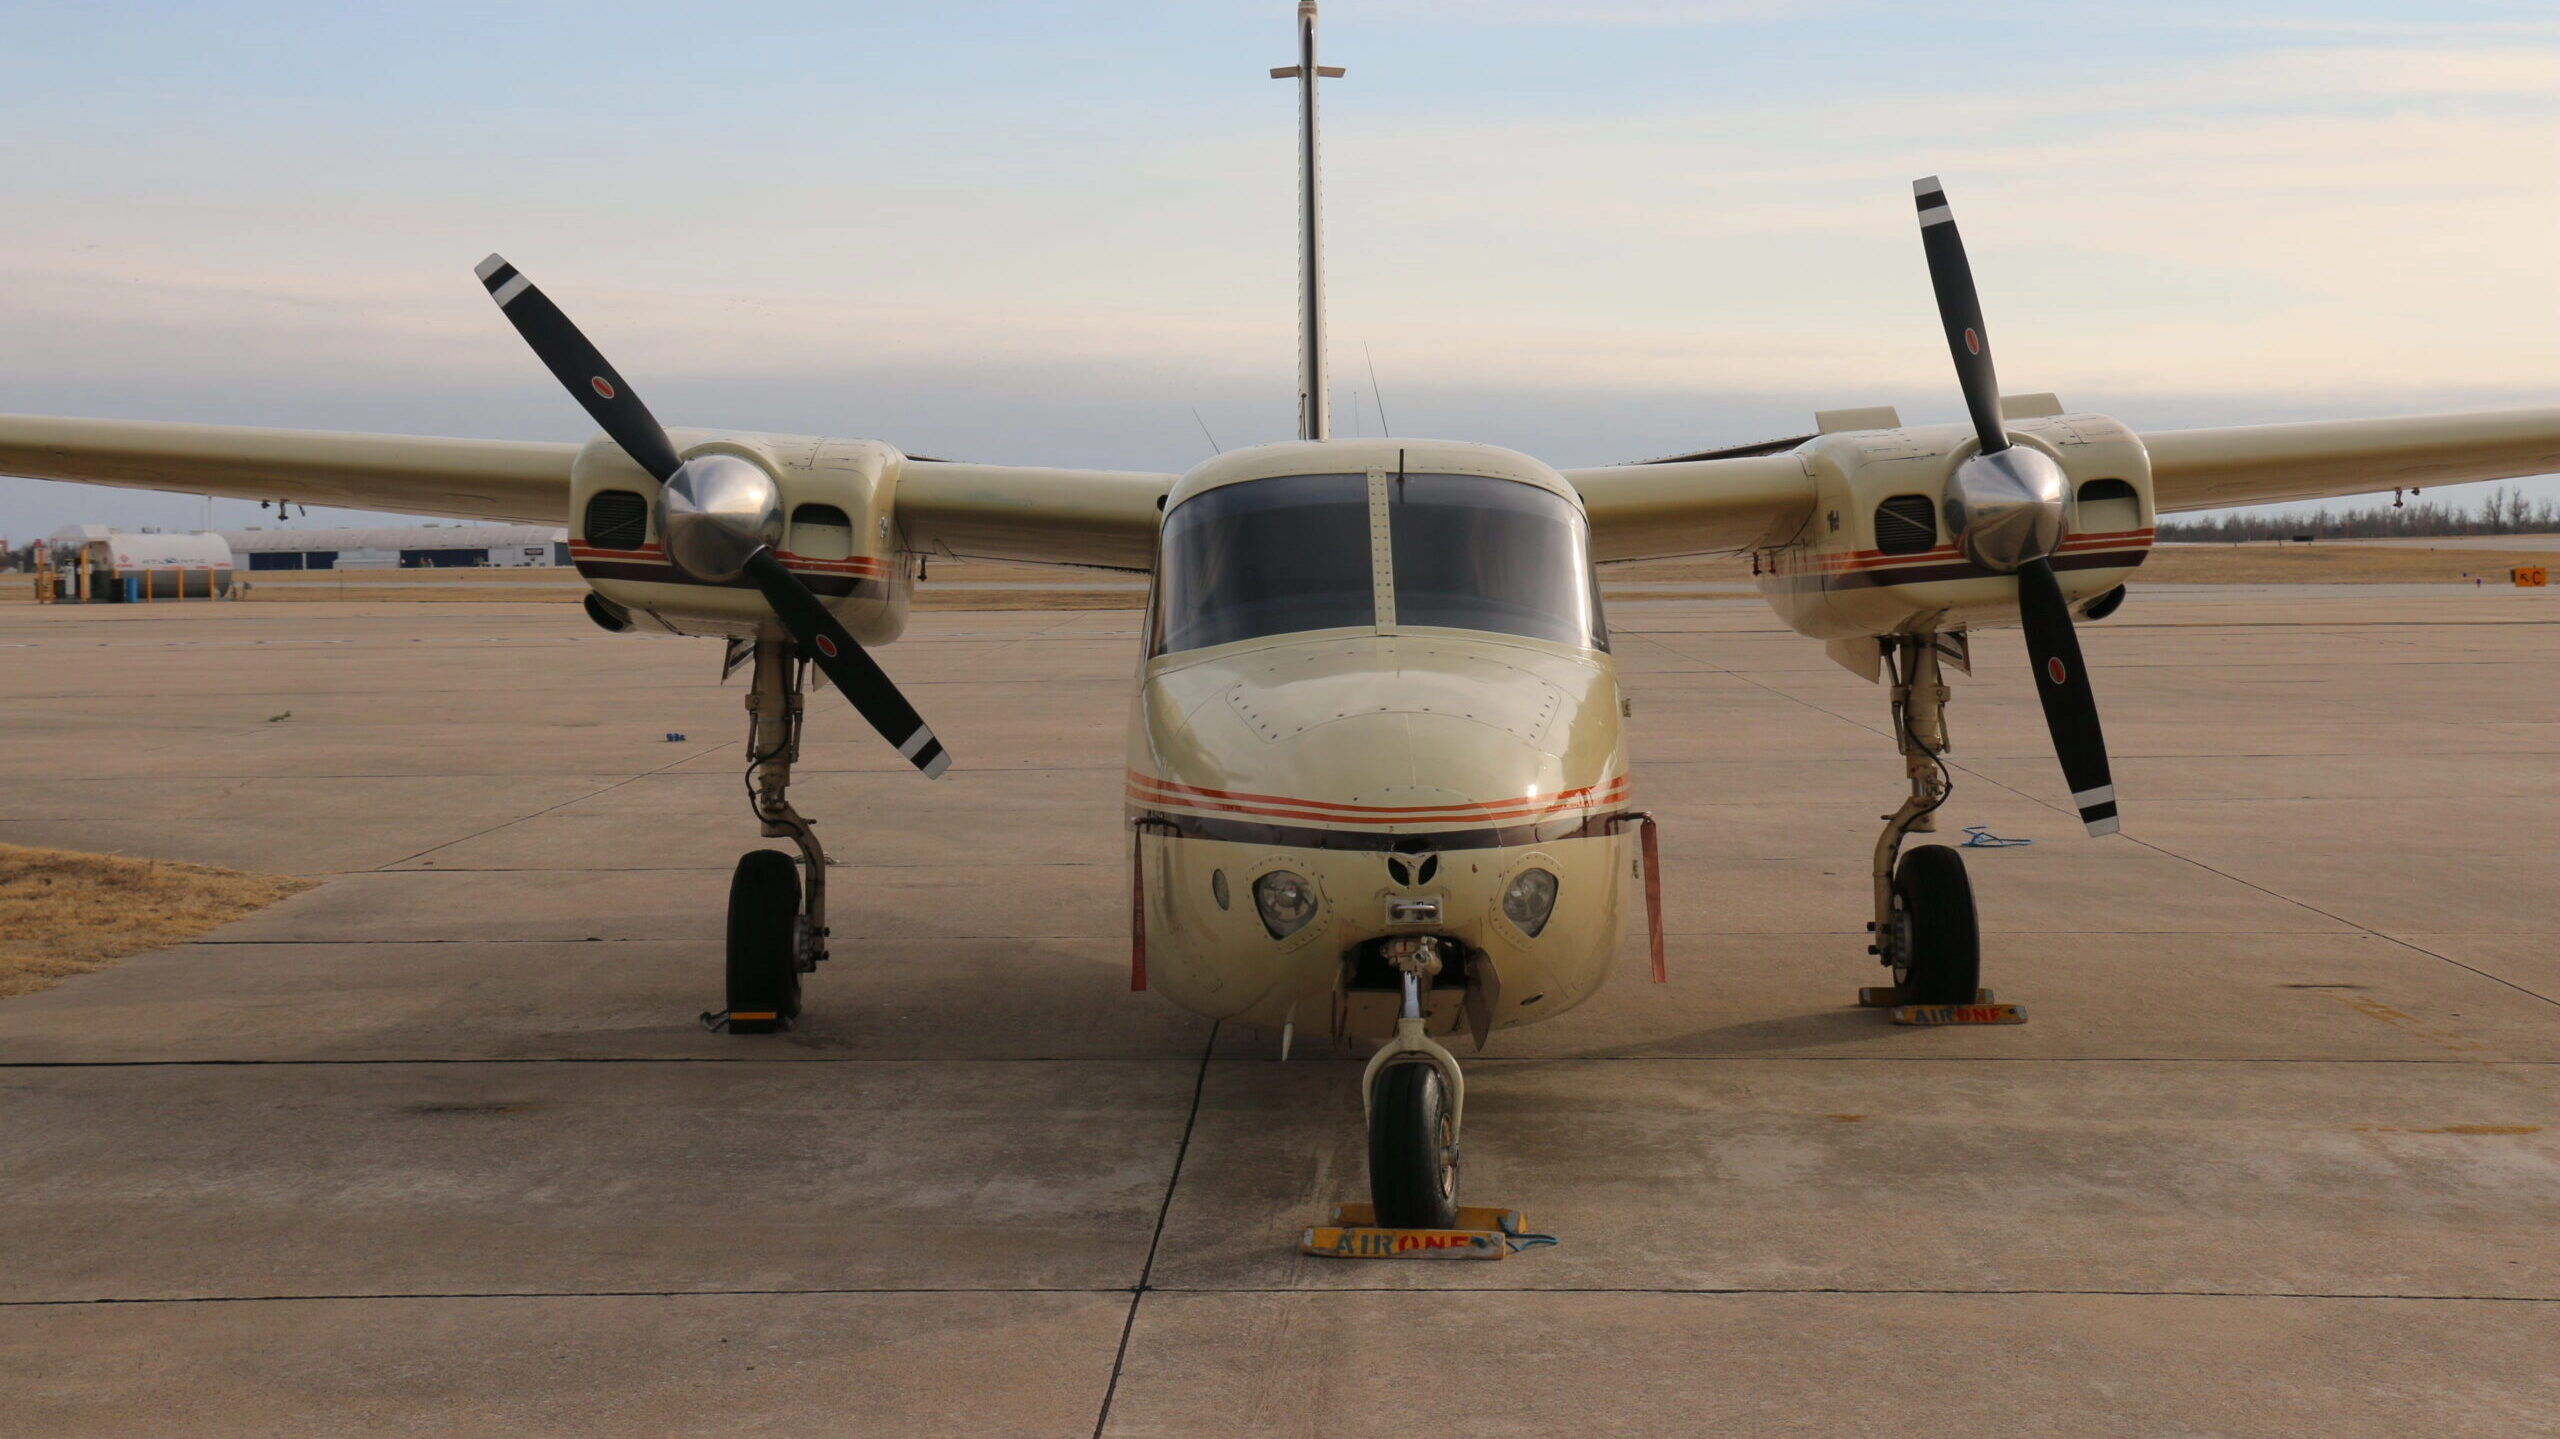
x,y
836,535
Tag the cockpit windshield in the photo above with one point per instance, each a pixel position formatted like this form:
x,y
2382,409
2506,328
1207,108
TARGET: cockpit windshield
x,y
1296,553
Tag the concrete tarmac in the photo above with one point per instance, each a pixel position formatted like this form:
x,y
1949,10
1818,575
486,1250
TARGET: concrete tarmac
x,y
439,1149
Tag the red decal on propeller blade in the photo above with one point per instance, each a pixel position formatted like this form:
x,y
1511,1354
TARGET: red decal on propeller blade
x,y
602,386
2053,669
826,647
1972,342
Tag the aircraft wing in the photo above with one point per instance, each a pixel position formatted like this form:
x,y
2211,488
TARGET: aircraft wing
x,y
1694,507
1103,519
2259,464
523,481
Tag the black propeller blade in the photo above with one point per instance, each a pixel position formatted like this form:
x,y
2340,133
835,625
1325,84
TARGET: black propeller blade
x,y
616,408
824,639
2053,645
1960,310
2070,706
580,368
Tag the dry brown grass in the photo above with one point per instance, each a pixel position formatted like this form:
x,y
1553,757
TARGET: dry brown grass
x,y
2330,564
63,913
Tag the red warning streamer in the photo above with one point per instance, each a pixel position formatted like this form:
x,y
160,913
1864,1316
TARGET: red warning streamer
x,y
1653,898
1138,912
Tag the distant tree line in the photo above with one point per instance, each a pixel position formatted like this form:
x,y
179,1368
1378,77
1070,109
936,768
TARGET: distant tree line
x,y
2503,511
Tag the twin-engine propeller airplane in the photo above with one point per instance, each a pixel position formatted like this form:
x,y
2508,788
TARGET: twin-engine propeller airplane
x,y
1376,771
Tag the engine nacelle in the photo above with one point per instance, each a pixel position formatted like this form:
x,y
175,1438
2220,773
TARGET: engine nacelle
x,y
832,503
1882,552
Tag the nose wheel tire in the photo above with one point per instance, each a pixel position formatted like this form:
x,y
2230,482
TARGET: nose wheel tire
x,y
1413,1151
764,960
1938,947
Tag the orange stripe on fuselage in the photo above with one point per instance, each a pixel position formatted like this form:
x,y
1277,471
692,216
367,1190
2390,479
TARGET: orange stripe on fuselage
x,y
1853,560
1150,790
861,565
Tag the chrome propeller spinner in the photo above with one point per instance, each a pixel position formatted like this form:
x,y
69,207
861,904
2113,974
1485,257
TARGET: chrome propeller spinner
x,y
715,512
2005,507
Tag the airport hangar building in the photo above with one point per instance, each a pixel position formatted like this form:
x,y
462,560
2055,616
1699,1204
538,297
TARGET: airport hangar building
x,y
402,547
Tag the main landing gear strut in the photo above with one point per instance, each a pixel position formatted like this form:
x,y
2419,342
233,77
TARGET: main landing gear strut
x,y
777,920
1924,925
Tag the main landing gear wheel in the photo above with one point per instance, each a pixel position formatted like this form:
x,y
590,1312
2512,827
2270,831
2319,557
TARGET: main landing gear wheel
x,y
1413,1151
764,958
1937,947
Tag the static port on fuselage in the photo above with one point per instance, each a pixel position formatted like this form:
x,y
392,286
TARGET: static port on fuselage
x,y
1377,702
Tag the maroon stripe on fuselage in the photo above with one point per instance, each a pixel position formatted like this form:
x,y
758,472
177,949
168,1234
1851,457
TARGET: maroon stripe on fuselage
x,y
827,586
1959,570
1295,836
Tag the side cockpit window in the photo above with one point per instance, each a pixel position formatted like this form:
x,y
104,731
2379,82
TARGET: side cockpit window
x,y
1265,557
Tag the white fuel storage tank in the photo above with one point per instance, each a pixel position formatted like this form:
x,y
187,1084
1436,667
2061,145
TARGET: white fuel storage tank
x,y
96,563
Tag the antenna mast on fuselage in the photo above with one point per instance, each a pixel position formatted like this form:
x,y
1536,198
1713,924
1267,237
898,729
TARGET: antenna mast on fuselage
x,y
1315,421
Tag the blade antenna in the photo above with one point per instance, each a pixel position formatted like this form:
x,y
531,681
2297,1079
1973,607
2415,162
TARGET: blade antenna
x,y
1376,396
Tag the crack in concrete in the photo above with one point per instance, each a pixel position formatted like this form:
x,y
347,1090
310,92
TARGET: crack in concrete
x,y
1146,1272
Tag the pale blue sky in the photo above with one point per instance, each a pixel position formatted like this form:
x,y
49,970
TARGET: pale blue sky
x,y
1030,232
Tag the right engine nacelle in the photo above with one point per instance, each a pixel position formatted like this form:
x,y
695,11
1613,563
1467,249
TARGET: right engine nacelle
x,y
1878,555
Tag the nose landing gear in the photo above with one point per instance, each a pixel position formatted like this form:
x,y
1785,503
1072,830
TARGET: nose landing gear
x,y
777,923
1415,1099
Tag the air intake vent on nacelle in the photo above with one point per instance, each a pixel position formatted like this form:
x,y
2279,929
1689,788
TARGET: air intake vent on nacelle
x,y
1907,525
617,520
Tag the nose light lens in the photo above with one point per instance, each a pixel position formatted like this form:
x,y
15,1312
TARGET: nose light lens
x,y
1286,902
1529,899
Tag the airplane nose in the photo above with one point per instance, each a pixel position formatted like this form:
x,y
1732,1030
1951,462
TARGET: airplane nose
x,y
1377,742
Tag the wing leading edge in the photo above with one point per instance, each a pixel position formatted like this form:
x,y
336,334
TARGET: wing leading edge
x,y
1694,507
1107,518
525,481
1102,519
2262,464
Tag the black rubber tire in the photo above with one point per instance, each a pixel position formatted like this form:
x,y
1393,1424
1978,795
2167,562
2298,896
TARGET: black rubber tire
x,y
1945,956
1413,1175
764,970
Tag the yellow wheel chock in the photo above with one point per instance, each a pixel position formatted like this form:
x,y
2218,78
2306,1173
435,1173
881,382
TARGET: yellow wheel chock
x,y
1981,1011
1483,1232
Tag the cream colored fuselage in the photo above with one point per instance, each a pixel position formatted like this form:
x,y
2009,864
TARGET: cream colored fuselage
x,y
1391,766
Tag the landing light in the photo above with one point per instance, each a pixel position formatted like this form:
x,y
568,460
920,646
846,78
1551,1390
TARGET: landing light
x,y
1528,901
1286,902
